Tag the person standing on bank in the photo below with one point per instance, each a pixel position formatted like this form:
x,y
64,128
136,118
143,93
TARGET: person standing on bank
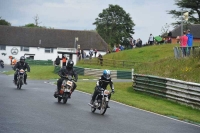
x,y
64,60
151,39
189,42
184,40
57,61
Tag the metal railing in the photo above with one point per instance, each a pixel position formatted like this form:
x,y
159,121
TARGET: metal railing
x,y
187,93
190,51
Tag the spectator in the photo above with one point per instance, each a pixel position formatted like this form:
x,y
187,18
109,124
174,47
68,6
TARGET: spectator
x,y
64,60
95,52
117,49
190,41
114,48
108,52
178,39
184,40
151,39
170,37
57,61
79,55
91,53
100,57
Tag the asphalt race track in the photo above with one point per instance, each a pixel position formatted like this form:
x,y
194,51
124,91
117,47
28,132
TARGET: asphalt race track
x,y
33,109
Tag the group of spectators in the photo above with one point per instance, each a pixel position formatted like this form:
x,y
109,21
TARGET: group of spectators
x,y
186,42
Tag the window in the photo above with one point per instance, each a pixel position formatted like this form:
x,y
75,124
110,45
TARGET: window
x,y
2,47
24,48
48,50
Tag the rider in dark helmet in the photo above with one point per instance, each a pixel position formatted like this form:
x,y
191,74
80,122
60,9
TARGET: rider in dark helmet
x,y
21,65
103,82
66,71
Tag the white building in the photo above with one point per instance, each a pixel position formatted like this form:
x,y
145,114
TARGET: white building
x,y
47,44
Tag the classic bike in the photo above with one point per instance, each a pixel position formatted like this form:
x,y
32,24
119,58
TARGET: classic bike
x,y
101,101
20,78
66,88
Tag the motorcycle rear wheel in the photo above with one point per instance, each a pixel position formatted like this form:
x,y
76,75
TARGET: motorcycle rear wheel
x,y
103,107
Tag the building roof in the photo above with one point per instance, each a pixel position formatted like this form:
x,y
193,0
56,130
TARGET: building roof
x,y
194,30
50,38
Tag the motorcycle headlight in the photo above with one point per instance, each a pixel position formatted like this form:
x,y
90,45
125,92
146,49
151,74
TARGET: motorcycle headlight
x,y
106,92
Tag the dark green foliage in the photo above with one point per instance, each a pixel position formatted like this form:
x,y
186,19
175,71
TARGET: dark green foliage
x,y
114,25
192,6
4,22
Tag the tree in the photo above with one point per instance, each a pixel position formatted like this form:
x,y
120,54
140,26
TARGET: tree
x,y
191,6
165,29
113,24
4,22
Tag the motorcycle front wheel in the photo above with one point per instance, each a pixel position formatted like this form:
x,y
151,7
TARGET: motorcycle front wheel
x,y
59,99
93,109
19,84
103,107
65,98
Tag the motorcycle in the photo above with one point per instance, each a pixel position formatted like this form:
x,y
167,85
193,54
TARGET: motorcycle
x,y
101,101
2,64
66,88
20,78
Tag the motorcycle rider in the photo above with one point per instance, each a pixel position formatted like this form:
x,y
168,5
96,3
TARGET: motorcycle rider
x,y
66,71
103,82
21,65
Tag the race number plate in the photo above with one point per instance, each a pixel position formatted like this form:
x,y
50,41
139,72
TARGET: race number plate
x,y
69,83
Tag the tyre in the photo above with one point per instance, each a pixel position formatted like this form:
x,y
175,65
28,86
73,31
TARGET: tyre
x,y
65,98
103,107
93,109
59,99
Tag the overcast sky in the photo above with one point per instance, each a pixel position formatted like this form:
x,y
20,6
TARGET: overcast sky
x,y
148,15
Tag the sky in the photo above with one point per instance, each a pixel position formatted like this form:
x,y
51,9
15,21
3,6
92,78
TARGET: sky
x,y
149,16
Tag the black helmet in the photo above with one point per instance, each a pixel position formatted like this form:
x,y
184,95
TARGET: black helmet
x,y
70,63
22,59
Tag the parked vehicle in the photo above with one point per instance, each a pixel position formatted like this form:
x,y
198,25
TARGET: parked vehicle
x,y
101,101
2,64
66,87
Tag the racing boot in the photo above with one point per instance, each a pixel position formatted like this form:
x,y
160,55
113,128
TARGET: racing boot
x,y
15,82
25,82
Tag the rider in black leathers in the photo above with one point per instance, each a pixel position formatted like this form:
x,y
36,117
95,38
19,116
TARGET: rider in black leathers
x,y
21,65
103,82
66,71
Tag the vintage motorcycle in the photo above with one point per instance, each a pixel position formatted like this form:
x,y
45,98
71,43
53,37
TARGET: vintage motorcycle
x,y
66,88
101,101
20,78
2,64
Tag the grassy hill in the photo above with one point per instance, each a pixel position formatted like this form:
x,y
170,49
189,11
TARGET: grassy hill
x,y
156,60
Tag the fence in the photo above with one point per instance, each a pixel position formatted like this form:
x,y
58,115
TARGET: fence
x,y
39,62
109,62
190,51
180,91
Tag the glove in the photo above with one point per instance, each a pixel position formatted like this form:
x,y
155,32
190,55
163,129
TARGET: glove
x,y
113,91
